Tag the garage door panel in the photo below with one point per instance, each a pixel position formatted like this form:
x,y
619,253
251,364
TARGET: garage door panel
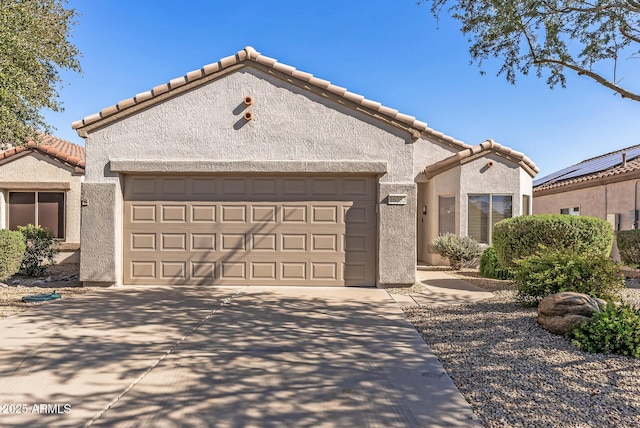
x,y
255,230
203,270
233,214
203,213
143,242
142,213
173,270
264,242
232,242
173,241
145,270
203,241
233,271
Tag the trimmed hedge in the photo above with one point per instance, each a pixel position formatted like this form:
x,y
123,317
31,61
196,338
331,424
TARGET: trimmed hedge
x,y
518,237
555,271
12,249
629,247
490,268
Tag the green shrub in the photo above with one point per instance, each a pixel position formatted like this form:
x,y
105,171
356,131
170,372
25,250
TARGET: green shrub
x,y
554,271
490,268
11,252
518,237
459,250
614,330
629,247
40,251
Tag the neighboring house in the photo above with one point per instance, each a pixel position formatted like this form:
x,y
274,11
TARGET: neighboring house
x,y
40,184
248,171
605,187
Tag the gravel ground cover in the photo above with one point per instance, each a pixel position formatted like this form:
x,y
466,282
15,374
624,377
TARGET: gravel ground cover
x,y
62,279
515,374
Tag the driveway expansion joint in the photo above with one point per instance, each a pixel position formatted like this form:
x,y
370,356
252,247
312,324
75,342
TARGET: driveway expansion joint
x,y
224,302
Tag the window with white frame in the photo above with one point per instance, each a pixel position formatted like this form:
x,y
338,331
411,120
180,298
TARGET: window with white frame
x,y
484,211
570,211
45,209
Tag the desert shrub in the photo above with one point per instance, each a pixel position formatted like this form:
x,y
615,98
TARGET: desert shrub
x,y
554,271
490,268
616,329
518,237
458,250
629,247
41,248
11,252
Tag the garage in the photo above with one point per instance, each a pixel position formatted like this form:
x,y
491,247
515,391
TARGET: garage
x,y
256,230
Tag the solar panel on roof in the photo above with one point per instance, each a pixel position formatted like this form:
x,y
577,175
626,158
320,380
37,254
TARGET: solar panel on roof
x,y
589,167
555,175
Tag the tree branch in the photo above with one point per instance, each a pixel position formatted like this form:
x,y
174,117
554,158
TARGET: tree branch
x,y
595,76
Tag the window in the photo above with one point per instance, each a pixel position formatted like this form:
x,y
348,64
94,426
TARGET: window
x,y
526,204
446,214
570,211
41,208
484,211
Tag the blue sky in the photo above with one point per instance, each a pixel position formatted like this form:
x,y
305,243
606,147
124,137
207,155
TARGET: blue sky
x,y
391,51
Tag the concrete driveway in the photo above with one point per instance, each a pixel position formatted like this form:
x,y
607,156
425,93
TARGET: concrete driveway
x,y
228,357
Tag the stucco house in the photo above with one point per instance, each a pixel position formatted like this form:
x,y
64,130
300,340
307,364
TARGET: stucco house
x,y
605,186
40,184
248,171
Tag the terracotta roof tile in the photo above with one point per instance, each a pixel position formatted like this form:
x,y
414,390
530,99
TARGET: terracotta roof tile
x,y
56,147
630,166
250,54
485,146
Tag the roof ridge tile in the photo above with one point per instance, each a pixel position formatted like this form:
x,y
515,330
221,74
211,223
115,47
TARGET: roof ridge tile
x,y
250,54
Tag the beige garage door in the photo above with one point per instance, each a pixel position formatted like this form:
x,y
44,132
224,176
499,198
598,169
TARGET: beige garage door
x,y
261,230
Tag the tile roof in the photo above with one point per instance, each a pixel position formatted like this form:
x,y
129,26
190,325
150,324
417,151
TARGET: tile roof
x,y
473,152
613,173
250,55
63,150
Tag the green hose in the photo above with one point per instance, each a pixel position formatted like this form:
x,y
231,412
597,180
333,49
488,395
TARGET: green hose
x,y
41,297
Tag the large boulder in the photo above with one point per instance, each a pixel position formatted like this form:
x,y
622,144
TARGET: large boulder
x,y
559,312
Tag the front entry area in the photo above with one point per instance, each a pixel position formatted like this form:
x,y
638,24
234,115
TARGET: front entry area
x,y
256,230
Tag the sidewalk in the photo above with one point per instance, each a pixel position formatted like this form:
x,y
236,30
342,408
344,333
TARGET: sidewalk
x,y
442,289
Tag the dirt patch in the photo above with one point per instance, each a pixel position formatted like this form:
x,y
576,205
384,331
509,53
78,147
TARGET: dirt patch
x,y
62,279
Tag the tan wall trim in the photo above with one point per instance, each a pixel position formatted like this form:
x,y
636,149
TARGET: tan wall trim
x,y
593,182
34,185
279,167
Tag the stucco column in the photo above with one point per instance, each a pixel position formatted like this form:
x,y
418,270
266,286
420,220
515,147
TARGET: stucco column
x,y
101,235
397,235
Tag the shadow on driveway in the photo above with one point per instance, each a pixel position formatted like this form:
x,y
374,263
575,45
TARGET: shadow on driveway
x,y
192,356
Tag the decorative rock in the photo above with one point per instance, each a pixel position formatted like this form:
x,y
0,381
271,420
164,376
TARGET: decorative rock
x,y
15,282
48,279
37,283
559,312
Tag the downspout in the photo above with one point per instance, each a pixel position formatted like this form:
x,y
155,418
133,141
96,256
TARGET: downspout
x,y
635,205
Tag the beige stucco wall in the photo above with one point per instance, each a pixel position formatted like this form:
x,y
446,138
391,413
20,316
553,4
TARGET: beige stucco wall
x,y
475,177
36,171
290,126
596,201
